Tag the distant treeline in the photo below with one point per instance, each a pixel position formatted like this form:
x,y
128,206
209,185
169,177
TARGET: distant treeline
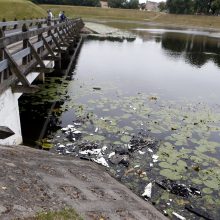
x,y
93,3
129,4
191,6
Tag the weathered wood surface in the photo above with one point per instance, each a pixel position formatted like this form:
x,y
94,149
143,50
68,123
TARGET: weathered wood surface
x,y
22,51
9,25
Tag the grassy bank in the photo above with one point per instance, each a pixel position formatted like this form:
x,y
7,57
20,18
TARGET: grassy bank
x,y
136,15
65,214
100,13
20,9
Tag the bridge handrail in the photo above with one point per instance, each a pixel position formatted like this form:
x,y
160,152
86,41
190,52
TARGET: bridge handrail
x,y
16,23
36,44
7,40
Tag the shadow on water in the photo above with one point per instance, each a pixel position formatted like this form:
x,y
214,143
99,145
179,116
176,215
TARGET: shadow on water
x,y
40,113
147,110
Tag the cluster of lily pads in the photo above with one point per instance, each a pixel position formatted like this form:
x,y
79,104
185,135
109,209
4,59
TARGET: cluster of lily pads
x,y
166,151
184,138
142,140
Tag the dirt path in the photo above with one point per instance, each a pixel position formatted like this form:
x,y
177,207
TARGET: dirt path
x,y
32,181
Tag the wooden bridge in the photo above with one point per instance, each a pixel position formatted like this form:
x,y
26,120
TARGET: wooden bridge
x,y
28,50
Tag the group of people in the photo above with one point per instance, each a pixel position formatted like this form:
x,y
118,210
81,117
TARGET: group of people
x,y
50,16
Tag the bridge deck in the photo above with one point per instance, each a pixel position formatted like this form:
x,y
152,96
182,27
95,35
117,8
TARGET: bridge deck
x,y
23,50
28,50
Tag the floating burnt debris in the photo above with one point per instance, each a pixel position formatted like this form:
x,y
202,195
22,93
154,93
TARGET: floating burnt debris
x,y
131,158
199,212
179,189
139,142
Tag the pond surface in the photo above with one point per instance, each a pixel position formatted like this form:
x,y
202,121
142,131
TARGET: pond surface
x,y
147,110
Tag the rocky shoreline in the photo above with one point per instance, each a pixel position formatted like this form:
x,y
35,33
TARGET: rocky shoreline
x,y
34,181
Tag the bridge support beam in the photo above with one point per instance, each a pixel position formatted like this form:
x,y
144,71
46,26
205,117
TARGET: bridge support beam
x,y
10,117
9,109
56,44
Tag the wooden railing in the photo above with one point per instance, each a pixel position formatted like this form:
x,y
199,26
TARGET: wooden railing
x,y
24,51
12,25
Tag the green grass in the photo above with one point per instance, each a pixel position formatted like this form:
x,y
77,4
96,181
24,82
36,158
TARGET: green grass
x,y
136,15
100,13
20,9
65,214
190,20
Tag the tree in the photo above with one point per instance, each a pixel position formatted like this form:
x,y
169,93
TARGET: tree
x,y
180,6
162,6
132,4
202,6
215,7
95,3
117,3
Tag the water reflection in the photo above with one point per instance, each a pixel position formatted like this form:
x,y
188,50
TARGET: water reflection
x,y
160,86
196,50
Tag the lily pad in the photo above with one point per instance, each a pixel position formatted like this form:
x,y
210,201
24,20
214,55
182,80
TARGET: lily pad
x,y
170,174
94,138
125,138
207,191
212,184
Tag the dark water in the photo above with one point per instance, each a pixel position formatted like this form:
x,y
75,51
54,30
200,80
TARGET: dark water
x,y
163,89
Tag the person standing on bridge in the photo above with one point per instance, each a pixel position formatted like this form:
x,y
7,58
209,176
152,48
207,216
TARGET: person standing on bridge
x,y
60,15
63,17
49,15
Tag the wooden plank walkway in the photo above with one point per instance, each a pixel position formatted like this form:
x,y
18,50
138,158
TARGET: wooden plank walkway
x,y
25,44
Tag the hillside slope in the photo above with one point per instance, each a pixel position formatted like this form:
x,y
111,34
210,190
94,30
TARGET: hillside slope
x,y
100,13
110,14
10,9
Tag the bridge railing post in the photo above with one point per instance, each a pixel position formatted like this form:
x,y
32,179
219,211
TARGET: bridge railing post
x,y
49,31
49,22
39,38
15,26
5,73
25,45
2,56
31,24
4,27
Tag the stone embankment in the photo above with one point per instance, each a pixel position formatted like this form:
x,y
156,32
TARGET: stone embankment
x,y
33,181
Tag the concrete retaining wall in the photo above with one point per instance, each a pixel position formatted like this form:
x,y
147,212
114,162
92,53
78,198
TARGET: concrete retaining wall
x,y
9,110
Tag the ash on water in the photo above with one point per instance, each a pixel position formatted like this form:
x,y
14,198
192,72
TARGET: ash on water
x,y
130,163
111,155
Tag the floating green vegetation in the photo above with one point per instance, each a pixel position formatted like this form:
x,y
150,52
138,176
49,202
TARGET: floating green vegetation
x,y
170,174
188,140
186,152
44,144
125,138
94,138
